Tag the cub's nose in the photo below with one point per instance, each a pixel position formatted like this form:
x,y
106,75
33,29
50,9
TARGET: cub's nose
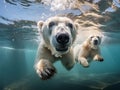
x,y
62,38
95,42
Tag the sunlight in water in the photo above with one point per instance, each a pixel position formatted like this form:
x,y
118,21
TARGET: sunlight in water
x,y
59,5
10,48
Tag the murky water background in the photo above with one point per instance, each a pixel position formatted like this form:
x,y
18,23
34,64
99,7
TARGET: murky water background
x,y
19,39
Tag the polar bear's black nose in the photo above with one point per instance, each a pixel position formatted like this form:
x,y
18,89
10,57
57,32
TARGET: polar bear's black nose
x,y
95,42
62,38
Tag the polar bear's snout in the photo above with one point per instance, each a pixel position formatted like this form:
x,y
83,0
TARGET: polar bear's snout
x,y
96,42
62,38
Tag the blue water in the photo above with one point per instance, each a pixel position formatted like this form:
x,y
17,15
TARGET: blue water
x,y
19,40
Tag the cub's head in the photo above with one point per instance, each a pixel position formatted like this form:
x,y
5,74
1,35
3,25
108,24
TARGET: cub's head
x,y
94,41
58,33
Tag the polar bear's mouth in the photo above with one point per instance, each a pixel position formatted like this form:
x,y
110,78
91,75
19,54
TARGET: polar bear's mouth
x,y
62,48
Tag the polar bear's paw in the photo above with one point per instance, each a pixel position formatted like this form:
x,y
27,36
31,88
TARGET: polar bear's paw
x,y
45,69
83,62
98,58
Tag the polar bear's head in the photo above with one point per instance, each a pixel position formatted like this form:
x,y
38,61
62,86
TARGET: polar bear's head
x,y
94,41
58,33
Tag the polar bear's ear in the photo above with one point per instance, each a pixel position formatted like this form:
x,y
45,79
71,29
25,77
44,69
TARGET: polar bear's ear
x,y
39,25
100,38
76,27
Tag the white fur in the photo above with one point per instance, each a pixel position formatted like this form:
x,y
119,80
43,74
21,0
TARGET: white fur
x,y
88,50
47,53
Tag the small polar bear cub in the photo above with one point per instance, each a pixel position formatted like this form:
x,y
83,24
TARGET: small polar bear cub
x,y
89,49
57,37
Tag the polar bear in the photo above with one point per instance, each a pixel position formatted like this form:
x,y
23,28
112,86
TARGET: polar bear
x,y
57,37
88,50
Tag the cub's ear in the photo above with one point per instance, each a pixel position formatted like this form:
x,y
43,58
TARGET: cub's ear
x,y
40,25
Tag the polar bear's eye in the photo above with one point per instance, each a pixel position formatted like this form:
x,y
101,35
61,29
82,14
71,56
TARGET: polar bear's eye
x,y
70,25
91,37
98,37
51,24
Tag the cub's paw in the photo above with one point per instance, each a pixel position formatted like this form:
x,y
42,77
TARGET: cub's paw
x,y
98,58
45,69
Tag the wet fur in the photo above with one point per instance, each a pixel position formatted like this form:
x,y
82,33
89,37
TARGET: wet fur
x,y
86,52
47,54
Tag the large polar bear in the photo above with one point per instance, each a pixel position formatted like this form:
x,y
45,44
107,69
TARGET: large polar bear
x,y
88,50
58,35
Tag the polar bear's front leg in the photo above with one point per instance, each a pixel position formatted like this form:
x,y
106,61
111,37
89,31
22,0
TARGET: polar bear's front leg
x,y
68,64
45,69
83,61
68,60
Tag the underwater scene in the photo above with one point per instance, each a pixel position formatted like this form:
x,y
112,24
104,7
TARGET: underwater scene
x,y
20,38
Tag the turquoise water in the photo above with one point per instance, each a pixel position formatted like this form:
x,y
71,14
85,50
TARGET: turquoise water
x,y
19,40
